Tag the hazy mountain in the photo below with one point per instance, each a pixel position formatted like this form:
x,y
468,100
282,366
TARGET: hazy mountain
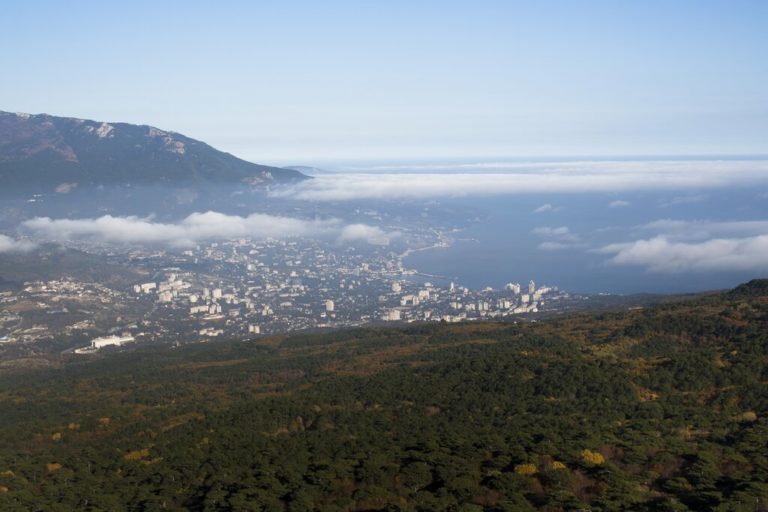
x,y
308,170
43,153
50,261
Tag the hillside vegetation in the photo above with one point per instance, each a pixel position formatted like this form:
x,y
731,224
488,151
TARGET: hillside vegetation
x,y
664,408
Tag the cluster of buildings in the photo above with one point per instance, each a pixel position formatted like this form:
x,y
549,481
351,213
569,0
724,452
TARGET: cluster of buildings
x,y
106,341
274,286
62,309
456,304
245,288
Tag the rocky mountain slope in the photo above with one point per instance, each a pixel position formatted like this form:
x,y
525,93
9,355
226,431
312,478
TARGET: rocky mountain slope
x,y
44,153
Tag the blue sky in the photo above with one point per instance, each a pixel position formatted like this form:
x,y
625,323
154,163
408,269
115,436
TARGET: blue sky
x,y
301,82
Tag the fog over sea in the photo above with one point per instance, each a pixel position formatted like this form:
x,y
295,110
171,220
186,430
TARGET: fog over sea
x,y
617,226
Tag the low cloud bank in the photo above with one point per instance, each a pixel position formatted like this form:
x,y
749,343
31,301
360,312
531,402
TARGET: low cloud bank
x,y
660,254
563,177
8,244
364,232
669,245
195,228
704,229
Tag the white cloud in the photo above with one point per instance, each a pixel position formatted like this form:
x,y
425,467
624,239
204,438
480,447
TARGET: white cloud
x,y
618,204
8,244
560,233
544,208
560,238
660,254
65,188
364,232
691,245
187,232
559,177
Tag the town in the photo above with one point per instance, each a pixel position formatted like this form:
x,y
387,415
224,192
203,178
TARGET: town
x,y
243,289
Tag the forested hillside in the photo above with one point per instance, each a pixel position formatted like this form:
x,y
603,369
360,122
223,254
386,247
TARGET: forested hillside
x,y
663,408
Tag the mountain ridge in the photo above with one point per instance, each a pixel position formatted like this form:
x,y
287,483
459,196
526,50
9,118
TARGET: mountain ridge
x,y
41,152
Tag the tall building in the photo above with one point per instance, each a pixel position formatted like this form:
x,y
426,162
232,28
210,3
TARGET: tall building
x,y
531,287
329,306
393,315
110,340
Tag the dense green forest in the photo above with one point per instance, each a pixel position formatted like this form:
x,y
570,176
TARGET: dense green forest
x,y
662,408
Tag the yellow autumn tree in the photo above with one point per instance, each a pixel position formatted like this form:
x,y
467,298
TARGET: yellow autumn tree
x,y
749,416
525,469
591,457
137,454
